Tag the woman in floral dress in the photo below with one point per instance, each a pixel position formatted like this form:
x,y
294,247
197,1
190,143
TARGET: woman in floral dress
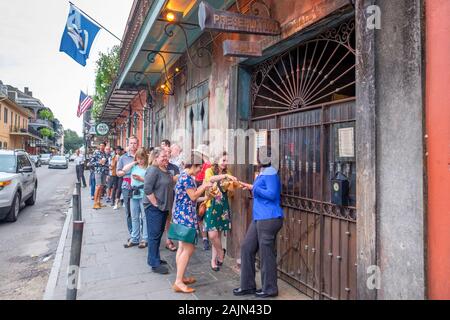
x,y
217,216
186,196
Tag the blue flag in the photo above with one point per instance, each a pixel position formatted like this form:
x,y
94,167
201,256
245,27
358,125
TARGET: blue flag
x,y
78,36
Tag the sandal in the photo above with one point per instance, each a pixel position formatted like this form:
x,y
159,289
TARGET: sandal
x,y
178,289
171,247
218,262
142,245
130,244
189,280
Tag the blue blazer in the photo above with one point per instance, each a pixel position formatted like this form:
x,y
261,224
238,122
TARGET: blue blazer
x,y
267,195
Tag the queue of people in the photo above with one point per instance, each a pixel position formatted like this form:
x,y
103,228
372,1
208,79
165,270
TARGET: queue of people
x,y
164,191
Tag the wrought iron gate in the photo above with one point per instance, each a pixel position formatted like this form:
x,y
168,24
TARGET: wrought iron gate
x,y
313,86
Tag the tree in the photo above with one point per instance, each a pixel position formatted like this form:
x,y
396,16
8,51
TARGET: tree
x,y
106,72
72,141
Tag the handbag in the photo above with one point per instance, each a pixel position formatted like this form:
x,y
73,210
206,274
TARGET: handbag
x,y
180,232
202,209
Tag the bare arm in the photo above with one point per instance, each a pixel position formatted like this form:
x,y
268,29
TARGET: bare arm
x,y
196,194
221,177
152,199
128,167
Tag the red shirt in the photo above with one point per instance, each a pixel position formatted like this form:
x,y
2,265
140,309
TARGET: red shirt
x,y
201,175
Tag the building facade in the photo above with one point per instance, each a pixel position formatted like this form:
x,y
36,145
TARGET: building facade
x,y
35,122
337,95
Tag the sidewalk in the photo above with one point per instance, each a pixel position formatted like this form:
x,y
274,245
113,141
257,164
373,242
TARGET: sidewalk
x,y
111,272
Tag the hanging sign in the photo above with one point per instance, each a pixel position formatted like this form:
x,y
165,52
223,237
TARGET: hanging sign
x,y
102,129
224,21
242,49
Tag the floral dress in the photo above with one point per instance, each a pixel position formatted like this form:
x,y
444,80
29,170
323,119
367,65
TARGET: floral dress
x,y
185,209
217,216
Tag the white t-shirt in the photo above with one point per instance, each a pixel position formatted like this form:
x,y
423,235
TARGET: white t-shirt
x,y
79,159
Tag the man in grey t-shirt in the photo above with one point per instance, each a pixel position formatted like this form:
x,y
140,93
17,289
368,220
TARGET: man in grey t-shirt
x,y
133,144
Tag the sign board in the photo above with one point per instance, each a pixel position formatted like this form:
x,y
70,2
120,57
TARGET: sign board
x,y
102,129
260,141
224,21
242,49
346,138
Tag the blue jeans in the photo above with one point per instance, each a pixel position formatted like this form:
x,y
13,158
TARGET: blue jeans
x,y
92,183
138,221
126,203
156,221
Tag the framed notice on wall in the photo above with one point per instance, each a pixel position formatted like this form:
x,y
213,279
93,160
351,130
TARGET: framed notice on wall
x,y
345,141
260,141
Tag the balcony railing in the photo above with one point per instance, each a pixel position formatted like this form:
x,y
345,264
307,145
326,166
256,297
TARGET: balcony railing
x,y
44,143
14,129
41,123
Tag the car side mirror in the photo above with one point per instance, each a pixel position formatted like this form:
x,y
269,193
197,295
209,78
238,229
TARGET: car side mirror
x,y
26,170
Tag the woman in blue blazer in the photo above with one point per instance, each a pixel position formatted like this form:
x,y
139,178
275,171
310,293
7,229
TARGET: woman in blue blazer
x,y
262,233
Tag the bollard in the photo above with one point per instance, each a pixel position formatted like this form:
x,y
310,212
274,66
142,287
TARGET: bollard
x,y
75,257
76,206
78,189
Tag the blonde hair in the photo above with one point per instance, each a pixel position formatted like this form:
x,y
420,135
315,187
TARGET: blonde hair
x,y
141,153
153,155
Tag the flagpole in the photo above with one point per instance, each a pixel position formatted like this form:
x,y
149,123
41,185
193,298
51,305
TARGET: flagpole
x,y
100,25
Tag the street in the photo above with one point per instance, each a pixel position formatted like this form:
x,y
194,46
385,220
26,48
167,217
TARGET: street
x,y
27,247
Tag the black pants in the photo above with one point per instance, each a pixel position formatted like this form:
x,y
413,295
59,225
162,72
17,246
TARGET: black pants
x,y
80,174
114,185
261,236
119,188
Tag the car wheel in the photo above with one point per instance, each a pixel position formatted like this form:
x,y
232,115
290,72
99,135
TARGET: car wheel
x,y
15,208
32,200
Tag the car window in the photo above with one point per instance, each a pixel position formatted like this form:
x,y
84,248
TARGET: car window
x,y
7,163
23,162
59,158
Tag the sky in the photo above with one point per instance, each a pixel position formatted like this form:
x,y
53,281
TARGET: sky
x,y
30,36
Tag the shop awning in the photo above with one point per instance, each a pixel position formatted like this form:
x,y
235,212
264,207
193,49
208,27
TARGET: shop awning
x,y
155,35
117,101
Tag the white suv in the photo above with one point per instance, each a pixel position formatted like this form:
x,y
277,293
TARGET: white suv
x,y
18,183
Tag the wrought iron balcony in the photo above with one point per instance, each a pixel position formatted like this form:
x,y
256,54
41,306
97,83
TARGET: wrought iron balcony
x,y
39,123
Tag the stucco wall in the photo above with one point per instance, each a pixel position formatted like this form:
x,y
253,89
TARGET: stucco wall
x,y
400,152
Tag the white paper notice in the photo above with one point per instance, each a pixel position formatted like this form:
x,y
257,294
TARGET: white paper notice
x,y
346,142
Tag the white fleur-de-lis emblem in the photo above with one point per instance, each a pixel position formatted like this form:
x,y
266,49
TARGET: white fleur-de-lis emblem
x,y
79,36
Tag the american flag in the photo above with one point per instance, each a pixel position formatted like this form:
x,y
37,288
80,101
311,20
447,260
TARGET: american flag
x,y
85,104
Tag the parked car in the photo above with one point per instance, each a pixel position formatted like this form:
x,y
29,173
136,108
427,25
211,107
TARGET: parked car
x,y
45,158
18,183
37,160
72,157
58,162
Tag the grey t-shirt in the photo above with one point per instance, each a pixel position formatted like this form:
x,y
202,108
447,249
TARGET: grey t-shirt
x,y
123,161
161,184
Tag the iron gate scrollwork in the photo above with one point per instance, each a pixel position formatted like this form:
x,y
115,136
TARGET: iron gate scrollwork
x,y
305,93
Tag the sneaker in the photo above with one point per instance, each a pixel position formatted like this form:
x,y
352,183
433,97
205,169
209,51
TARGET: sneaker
x,y
206,244
160,269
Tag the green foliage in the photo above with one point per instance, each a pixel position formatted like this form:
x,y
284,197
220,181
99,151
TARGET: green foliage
x,y
106,72
46,132
46,114
71,140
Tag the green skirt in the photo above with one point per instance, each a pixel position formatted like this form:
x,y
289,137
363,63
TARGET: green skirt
x,y
217,216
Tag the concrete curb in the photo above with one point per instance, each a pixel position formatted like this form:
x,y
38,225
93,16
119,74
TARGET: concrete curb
x,y
54,273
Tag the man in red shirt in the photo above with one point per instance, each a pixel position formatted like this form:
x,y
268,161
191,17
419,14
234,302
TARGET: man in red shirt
x,y
202,151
